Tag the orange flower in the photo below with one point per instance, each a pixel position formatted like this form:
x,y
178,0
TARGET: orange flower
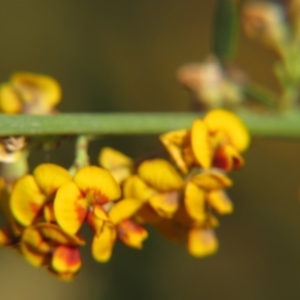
x,y
47,245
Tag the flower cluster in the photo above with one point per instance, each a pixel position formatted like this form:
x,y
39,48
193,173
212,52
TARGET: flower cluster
x,y
183,204
45,210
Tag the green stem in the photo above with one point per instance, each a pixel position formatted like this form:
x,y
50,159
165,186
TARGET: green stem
x,y
280,126
81,154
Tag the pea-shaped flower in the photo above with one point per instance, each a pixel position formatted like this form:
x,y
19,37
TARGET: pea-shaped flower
x,y
32,195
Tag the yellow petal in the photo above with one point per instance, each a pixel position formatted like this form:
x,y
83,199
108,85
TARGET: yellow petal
x,y
194,200
102,245
49,213
201,145
27,200
211,180
116,162
220,202
135,187
9,100
70,208
50,177
66,259
160,175
131,234
202,242
44,87
165,204
231,125
175,142
98,184
124,209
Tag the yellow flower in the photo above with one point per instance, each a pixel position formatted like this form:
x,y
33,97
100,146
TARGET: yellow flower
x,y
199,235
157,183
215,141
32,195
119,225
85,199
117,163
29,93
47,245
205,190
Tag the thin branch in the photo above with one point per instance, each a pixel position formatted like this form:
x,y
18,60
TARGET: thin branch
x,y
280,126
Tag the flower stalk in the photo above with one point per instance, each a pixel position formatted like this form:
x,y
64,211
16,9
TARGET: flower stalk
x,y
284,125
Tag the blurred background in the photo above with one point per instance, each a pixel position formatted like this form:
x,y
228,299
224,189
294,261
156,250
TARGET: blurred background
x,y
122,56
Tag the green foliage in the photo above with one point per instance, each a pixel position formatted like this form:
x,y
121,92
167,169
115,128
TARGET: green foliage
x,y
225,30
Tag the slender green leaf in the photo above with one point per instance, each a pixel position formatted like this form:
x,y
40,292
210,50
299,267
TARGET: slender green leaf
x,y
225,30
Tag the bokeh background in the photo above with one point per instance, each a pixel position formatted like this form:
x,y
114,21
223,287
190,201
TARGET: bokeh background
x,y
115,55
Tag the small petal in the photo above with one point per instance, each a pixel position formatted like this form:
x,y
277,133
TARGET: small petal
x,y
160,175
135,187
49,213
201,145
116,162
33,256
175,142
70,208
50,177
194,200
33,238
98,184
131,234
124,209
231,125
96,218
220,201
202,242
227,158
102,245
27,200
165,204
53,233
211,180
66,259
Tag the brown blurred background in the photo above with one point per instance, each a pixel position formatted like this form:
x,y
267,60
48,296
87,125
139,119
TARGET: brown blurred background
x,y
122,56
